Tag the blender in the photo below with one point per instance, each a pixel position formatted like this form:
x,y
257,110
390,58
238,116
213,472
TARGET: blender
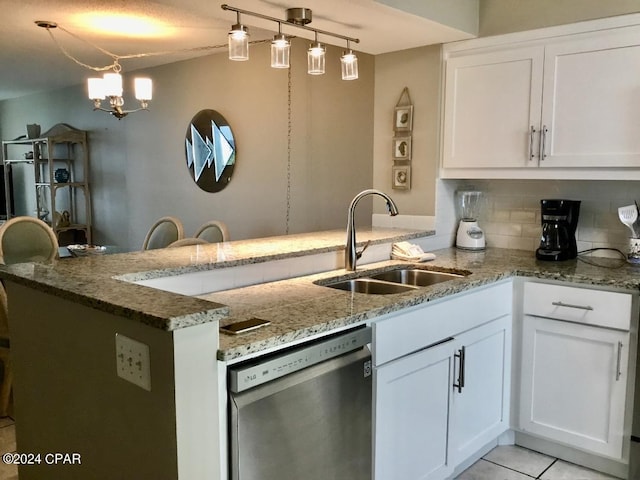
x,y
470,236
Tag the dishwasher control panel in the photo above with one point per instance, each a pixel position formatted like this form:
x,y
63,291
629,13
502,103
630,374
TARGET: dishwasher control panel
x,y
244,377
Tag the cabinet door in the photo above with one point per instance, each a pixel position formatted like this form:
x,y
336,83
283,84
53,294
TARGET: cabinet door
x,y
492,103
574,384
411,411
480,408
590,101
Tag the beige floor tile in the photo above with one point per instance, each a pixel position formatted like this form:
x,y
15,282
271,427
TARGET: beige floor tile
x,y
5,421
483,470
568,471
7,444
8,439
520,459
8,472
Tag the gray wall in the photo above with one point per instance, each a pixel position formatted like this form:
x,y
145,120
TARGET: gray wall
x,y
505,16
138,164
418,69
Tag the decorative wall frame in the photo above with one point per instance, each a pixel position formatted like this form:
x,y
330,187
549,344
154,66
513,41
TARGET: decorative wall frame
x,y
401,177
403,118
401,148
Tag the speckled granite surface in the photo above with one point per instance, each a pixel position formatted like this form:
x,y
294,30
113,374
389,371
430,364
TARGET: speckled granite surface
x,y
93,280
299,308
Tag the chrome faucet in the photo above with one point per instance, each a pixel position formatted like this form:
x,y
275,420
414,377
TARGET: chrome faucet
x,y
350,253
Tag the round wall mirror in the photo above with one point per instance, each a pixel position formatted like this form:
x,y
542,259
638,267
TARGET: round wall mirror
x,y
210,150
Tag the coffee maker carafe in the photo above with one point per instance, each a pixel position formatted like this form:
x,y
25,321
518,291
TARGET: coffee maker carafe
x,y
559,223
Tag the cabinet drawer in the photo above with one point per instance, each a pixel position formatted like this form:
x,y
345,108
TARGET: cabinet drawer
x,y
583,305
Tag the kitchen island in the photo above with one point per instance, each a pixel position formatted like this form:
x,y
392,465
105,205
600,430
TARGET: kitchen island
x,y
64,317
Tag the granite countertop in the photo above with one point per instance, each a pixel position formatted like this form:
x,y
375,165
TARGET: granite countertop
x,y
298,308
97,280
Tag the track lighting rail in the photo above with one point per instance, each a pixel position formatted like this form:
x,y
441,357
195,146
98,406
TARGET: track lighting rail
x,y
289,23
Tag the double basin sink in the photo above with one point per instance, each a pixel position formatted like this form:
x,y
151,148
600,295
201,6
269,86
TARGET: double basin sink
x,y
394,281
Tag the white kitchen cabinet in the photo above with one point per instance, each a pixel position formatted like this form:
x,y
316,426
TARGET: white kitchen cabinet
x,y
543,108
590,94
575,359
492,105
411,416
480,405
433,406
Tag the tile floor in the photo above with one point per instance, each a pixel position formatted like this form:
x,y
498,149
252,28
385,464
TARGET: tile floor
x,y
7,444
510,462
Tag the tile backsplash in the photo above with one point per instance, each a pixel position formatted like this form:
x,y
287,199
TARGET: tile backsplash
x,y
510,215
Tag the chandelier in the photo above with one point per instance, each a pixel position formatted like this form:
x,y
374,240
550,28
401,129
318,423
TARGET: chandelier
x,y
281,45
110,85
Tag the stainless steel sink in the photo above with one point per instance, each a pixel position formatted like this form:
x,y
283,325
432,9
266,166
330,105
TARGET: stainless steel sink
x,y
415,277
393,281
370,286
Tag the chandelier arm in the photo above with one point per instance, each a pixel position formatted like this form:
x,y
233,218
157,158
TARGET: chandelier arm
x,y
286,22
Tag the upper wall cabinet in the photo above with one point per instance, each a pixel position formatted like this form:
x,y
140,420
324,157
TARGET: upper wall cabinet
x,y
563,106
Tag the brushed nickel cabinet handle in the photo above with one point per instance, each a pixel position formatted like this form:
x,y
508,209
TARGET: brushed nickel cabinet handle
x,y
543,141
569,305
618,372
460,357
532,134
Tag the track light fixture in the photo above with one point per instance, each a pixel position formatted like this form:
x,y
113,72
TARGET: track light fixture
x,y
280,46
238,41
316,58
280,49
349,64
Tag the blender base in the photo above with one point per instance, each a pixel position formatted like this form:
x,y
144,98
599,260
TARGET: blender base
x,y
470,236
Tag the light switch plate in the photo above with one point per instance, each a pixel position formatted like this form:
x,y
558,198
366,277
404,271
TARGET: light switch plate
x,y
132,361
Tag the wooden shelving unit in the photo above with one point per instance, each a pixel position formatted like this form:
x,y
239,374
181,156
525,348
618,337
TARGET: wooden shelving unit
x,y
60,148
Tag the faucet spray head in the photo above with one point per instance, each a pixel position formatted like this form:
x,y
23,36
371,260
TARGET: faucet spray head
x,y
393,210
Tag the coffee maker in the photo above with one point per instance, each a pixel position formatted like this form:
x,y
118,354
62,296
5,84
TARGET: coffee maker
x,y
559,223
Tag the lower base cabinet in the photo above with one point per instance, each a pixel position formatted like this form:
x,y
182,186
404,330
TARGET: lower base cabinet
x,y
576,346
574,384
480,407
436,407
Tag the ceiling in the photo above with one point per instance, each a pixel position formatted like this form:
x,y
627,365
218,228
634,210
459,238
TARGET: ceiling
x,y
31,61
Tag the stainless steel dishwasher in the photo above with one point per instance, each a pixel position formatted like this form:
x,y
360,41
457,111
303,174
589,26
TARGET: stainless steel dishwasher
x,y
304,413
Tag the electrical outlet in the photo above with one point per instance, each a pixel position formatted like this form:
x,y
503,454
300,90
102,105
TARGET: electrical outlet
x,y
132,361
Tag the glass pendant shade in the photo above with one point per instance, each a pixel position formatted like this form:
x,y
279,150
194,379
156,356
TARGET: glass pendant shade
x,y
143,88
349,63
315,59
238,43
96,88
280,50
112,84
